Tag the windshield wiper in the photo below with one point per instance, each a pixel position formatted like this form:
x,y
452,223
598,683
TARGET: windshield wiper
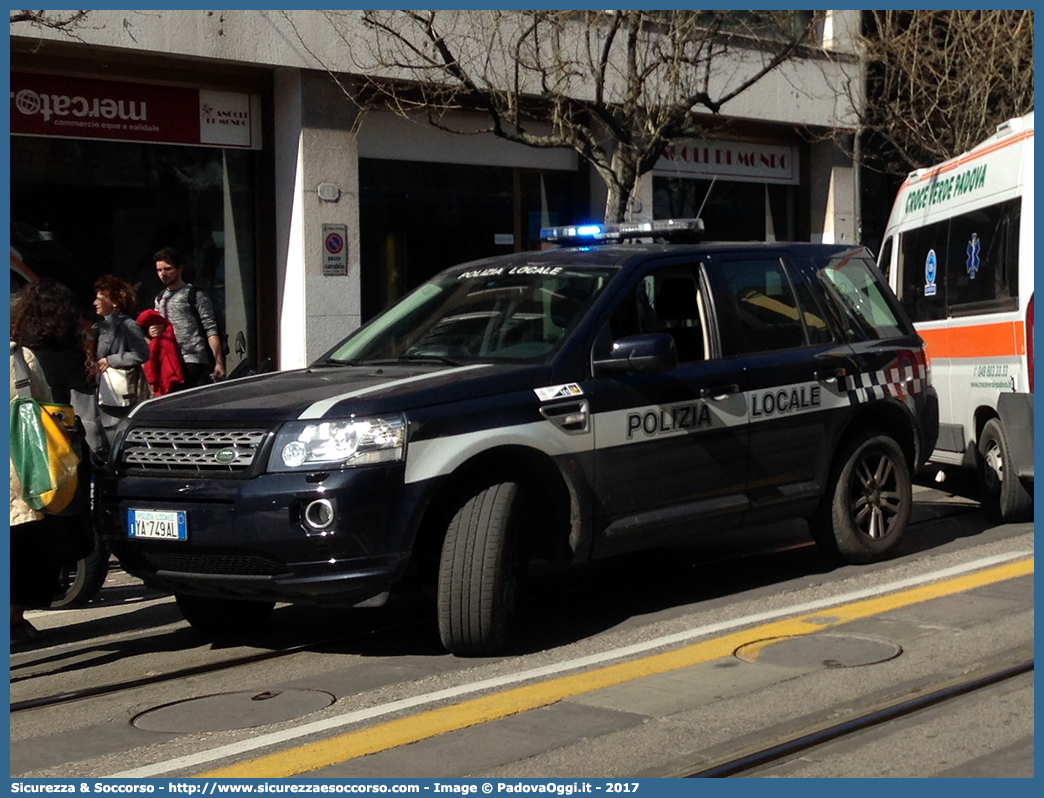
x,y
332,361
437,358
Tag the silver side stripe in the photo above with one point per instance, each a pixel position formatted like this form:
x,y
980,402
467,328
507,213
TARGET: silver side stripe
x,y
441,456
320,409
438,456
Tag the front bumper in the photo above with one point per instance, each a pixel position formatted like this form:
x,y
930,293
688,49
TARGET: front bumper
x,y
248,537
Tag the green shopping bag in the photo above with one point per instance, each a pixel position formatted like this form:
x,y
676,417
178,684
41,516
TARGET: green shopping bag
x,y
45,447
45,450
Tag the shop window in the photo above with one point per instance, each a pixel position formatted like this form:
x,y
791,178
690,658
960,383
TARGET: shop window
x,y
731,210
420,218
80,209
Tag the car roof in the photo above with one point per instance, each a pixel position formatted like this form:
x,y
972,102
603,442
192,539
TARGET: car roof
x,y
616,255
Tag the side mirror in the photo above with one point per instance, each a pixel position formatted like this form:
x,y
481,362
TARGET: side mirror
x,y
639,353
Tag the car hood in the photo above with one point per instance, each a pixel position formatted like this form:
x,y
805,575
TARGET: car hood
x,y
337,392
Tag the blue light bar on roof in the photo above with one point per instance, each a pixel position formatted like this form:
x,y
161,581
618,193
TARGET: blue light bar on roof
x,y
666,229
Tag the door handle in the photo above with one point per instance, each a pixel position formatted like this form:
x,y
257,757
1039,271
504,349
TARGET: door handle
x,y
570,417
718,392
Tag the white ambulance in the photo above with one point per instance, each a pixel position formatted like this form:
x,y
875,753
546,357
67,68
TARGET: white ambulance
x,y
958,251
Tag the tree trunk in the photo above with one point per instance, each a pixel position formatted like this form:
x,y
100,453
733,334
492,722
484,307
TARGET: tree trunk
x,y
616,203
621,182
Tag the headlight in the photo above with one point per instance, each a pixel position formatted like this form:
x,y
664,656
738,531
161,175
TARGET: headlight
x,y
338,444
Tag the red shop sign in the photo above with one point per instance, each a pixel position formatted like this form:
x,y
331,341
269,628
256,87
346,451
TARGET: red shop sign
x,y
47,105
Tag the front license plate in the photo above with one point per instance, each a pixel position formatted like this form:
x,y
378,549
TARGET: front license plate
x,y
157,524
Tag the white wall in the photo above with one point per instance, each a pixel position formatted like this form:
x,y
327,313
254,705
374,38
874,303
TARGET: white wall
x,y
314,143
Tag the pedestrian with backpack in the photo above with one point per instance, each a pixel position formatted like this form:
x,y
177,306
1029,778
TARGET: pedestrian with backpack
x,y
50,352
192,316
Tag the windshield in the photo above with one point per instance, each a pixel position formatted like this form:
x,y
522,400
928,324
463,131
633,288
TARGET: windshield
x,y
498,313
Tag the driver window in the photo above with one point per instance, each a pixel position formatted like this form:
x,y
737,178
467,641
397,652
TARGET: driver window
x,y
667,301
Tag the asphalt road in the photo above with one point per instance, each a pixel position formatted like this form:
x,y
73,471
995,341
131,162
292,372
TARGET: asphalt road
x,y
651,665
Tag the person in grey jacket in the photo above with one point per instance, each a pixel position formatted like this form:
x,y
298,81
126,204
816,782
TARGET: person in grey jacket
x,y
191,314
119,343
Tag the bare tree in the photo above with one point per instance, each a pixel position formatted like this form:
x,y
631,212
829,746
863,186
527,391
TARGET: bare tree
x,y
614,86
55,20
939,82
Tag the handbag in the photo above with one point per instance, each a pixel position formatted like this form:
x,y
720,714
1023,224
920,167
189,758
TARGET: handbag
x,y
123,387
45,448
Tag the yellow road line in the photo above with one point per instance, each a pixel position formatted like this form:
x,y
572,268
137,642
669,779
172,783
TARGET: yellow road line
x,y
351,745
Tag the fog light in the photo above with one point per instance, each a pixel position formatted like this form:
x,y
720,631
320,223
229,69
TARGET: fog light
x,y
319,514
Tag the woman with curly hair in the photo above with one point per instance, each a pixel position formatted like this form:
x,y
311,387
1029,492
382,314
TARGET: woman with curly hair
x,y
46,327
119,343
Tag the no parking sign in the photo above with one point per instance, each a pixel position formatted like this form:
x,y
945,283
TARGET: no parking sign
x,y
335,250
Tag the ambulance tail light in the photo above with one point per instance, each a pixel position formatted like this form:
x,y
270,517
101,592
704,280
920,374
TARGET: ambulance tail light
x,y
1029,342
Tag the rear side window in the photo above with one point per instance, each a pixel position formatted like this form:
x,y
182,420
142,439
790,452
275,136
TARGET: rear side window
x,y
766,315
921,284
982,260
867,306
964,265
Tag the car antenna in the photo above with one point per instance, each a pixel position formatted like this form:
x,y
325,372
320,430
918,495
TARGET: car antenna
x,y
699,213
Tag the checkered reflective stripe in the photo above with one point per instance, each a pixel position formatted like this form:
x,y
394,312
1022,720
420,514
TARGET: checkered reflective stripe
x,y
899,380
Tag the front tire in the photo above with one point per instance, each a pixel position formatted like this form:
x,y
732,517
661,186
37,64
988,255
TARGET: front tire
x,y
479,572
870,504
222,617
1004,497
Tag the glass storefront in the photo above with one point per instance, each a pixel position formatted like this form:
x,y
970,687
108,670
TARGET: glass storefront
x,y
419,218
731,210
83,208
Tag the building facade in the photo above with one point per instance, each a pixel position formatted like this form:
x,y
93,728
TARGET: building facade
x,y
303,215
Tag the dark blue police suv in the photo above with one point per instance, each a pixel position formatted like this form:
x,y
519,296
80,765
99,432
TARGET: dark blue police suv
x,y
567,404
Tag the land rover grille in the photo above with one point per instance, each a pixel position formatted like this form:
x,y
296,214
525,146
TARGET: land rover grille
x,y
210,451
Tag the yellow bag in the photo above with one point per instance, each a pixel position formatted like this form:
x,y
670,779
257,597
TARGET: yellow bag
x,y
45,450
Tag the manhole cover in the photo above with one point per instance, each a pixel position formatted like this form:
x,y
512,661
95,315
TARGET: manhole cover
x,y
227,711
819,651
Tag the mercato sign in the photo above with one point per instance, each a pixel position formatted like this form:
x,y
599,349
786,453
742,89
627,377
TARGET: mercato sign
x,y
55,106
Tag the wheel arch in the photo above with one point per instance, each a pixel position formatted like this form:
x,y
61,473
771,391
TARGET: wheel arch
x,y
983,415
557,531
891,418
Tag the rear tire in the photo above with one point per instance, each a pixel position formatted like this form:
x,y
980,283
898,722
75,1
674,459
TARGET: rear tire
x,y
478,598
1004,497
223,617
81,581
869,508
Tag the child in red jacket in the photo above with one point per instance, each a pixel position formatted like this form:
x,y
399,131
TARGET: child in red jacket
x,y
163,369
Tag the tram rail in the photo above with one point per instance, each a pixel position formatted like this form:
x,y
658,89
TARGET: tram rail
x,y
743,763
